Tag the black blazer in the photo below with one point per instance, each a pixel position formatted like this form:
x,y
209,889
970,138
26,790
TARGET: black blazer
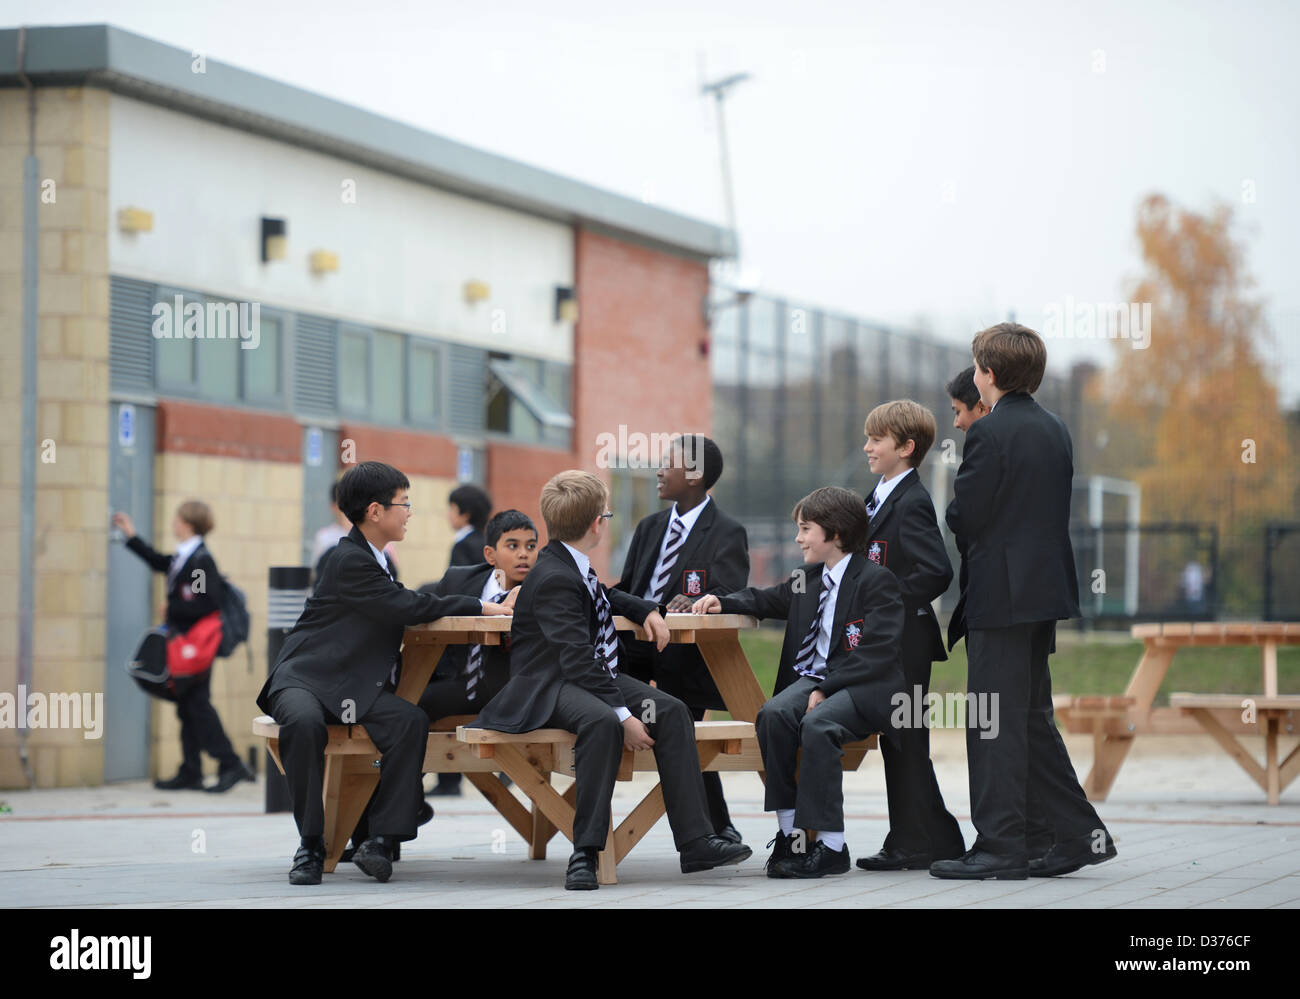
x,y
469,581
714,559
468,550
184,605
957,623
553,641
866,663
904,537
1011,510
345,642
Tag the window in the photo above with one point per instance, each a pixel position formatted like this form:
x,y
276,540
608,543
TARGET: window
x,y
633,495
354,371
173,353
522,401
262,363
424,385
386,385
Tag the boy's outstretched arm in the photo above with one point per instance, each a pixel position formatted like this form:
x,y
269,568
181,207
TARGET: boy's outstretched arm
x,y
366,588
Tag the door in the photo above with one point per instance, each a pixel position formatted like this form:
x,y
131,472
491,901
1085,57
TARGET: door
x,y
130,593
320,467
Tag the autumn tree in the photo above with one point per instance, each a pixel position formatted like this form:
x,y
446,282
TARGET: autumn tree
x,y
1194,416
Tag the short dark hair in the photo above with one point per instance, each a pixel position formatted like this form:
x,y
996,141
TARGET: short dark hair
x,y
962,388
1016,355
198,515
700,453
505,522
840,513
474,502
366,483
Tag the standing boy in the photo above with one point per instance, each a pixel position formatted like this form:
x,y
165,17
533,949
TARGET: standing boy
x,y
838,676
565,673
1011,509
903,536
333,667
468,508
677,556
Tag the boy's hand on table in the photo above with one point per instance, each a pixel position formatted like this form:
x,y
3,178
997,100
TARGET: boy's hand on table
x,y
679,604
814,699
707,605
635,735
491,607
657,629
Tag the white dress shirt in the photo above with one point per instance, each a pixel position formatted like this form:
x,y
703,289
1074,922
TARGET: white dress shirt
x,y
824,637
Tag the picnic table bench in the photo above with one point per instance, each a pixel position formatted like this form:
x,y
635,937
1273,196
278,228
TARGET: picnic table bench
x,y
352,759
1115,721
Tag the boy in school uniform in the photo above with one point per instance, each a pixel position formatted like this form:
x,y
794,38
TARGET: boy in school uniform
x,y
469,676
678,555
468,507
566,673
967,407
837,681
188,602
1011,509
903,536
333,668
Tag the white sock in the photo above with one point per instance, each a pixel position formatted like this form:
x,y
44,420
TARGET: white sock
x,y
785,816
833,840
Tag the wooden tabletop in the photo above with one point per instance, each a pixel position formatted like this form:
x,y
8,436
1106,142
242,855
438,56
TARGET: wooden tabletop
x,y
1220,632
676,622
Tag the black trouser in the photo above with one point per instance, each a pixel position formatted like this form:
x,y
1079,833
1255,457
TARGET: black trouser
x,y
444,697
638,659
785,726
918,820
398,729
201,729
1022,783
600,747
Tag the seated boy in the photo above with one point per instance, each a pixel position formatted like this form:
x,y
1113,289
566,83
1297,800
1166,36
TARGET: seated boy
x,y
564,666
678,555
469,676
838,674
333,667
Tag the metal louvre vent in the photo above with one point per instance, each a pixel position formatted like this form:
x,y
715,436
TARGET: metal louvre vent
x,y
130,358
466,380
315,377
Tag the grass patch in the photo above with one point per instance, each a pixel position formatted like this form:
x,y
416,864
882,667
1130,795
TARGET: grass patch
x,y
1089,666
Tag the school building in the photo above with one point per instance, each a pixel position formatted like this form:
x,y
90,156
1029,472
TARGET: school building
x,y
233,288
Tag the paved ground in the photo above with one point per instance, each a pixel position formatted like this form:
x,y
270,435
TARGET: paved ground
x,y
1192,831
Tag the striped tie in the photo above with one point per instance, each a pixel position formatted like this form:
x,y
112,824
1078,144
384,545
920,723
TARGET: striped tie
x,y
607,638
664,568
872,505
803,662
474,664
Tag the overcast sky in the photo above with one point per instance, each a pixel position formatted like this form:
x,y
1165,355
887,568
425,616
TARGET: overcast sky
x,y
936,163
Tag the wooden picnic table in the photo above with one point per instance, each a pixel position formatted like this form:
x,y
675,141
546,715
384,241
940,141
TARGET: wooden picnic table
x,y
351,758
1116,721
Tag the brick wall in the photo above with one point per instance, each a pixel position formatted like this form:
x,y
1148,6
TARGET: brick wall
x,y
71,540
637,347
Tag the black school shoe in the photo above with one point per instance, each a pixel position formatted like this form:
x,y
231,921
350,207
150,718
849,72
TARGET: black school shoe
x,y
180,783
896,860
783,850
708,852
818,862
308,865
229,777
979,865
375,858
581,875
1068,857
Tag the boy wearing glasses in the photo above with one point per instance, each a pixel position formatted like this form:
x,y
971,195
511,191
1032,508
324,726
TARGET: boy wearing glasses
x,y
565,673
334,666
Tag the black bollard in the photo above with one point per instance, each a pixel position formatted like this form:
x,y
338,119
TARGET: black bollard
x,y
287,590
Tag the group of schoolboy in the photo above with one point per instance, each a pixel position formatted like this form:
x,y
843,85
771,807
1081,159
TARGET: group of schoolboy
x,y
860,634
